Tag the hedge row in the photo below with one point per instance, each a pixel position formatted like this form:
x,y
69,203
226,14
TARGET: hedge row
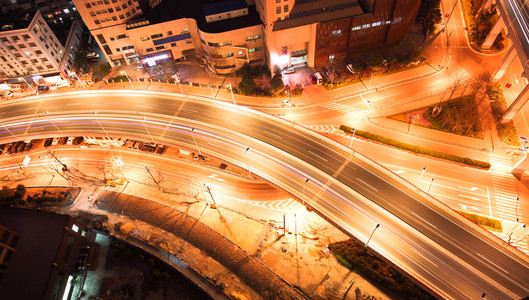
x,y
506,132
417,149
487,223
355,256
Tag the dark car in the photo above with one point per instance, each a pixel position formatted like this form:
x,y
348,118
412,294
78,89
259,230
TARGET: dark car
x,y
14,147
21,147
161,149
48,141
312,79
63,140
43,88
78,140
28,146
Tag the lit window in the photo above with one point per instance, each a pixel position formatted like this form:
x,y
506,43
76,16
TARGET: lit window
x,y
366,26
66,11
75,228
376,24
356,28
27,53
285,8
336,32
240,52
278,10
331,57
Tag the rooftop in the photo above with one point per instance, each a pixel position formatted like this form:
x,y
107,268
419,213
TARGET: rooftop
x,y
169,10
314,11
15,21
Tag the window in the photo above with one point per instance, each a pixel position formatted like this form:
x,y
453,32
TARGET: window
x,y
356,28
38,52
25,37
278,1
21,46
88,5
228,54
127,48
255,37
92,14
145,38
101,39
376,24
285,8
117,49
110,10
240,52
15,38
114,18
124,6
112,38
336,32
118,8
366,26
27,53
121,36
128,14
155,36
160,47
185,29
98,12
278,9
97,22
3,39
173,44
169,33
149,49
44,59
255,49
121,16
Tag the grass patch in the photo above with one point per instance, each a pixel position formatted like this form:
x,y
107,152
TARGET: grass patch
x,y
506,132
485,222
417,149
355,256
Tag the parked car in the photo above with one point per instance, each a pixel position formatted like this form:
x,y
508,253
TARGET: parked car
x,y
14,148
43,88
8,148
93,56
63,140
312,79
55,141
69,142
161,149
78,140
28,146
48,141
21,147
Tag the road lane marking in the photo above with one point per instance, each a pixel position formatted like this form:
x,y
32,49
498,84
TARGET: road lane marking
x,y
74,103
277,136
424,220
493,263
366,183
407,159
317,155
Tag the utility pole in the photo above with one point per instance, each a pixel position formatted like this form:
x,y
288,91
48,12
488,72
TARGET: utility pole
x,y
154,179
209,191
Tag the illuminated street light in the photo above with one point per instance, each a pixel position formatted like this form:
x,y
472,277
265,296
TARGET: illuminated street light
x,y
178,81
54,124
232,98
196,145
303,198
378,225
430,185
82,84
247,165
422,173
22,78
351,145
123,72
517,203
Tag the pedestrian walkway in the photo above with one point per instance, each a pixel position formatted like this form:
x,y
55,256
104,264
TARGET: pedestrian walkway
x,y
345,109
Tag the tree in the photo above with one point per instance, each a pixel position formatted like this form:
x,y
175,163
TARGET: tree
x,y
105,69
375,60
429,15
246,85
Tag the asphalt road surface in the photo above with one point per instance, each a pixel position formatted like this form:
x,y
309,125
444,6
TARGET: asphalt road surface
x,y
427,239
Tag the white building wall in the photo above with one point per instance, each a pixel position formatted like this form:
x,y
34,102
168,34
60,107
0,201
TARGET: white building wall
x,y
30,51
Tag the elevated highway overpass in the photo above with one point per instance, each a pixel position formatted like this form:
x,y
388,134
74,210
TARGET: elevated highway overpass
x,y
440,248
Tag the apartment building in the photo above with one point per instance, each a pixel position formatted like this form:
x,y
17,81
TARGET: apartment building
x,y
53,11
315,33
227,35
28,46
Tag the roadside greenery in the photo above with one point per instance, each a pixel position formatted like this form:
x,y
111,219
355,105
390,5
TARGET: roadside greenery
x,y
105,69
417,149
479,28
485,222
18,197
506,132
429,15
355,256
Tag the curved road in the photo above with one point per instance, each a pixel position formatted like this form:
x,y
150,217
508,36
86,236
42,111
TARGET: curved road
x,y
443,250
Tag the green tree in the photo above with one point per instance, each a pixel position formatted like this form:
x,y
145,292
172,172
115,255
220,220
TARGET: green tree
x,y
375,60
429,15
246,85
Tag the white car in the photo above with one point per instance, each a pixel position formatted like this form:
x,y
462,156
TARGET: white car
x,y
70,140
289,70
350,68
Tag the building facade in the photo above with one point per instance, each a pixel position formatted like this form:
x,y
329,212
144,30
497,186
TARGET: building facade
x,y
53,11
28,47
226,36
317,32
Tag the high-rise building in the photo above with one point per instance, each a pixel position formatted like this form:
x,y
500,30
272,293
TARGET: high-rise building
x,y
316,32
53,11
28,46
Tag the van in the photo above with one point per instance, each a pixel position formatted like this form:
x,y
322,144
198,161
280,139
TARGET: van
x,y
319,78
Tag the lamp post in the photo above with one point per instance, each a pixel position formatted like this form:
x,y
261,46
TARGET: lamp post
x,y
517,202
422,173
351,145
430,185
304,185
247,165
196,145
378,225
123,72
74,74
178,81
22,78
231,90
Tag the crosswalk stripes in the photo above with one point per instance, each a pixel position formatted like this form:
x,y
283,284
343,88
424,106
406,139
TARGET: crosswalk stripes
x,y
345,109
457,72
500,163
505,195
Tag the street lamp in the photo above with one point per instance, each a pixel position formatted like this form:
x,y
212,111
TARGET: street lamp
x,y
351,145
422,173
22,78
303,198
82,84
178,81
378,225
517,202
124,72
430,185
196,145
247,165
231,90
